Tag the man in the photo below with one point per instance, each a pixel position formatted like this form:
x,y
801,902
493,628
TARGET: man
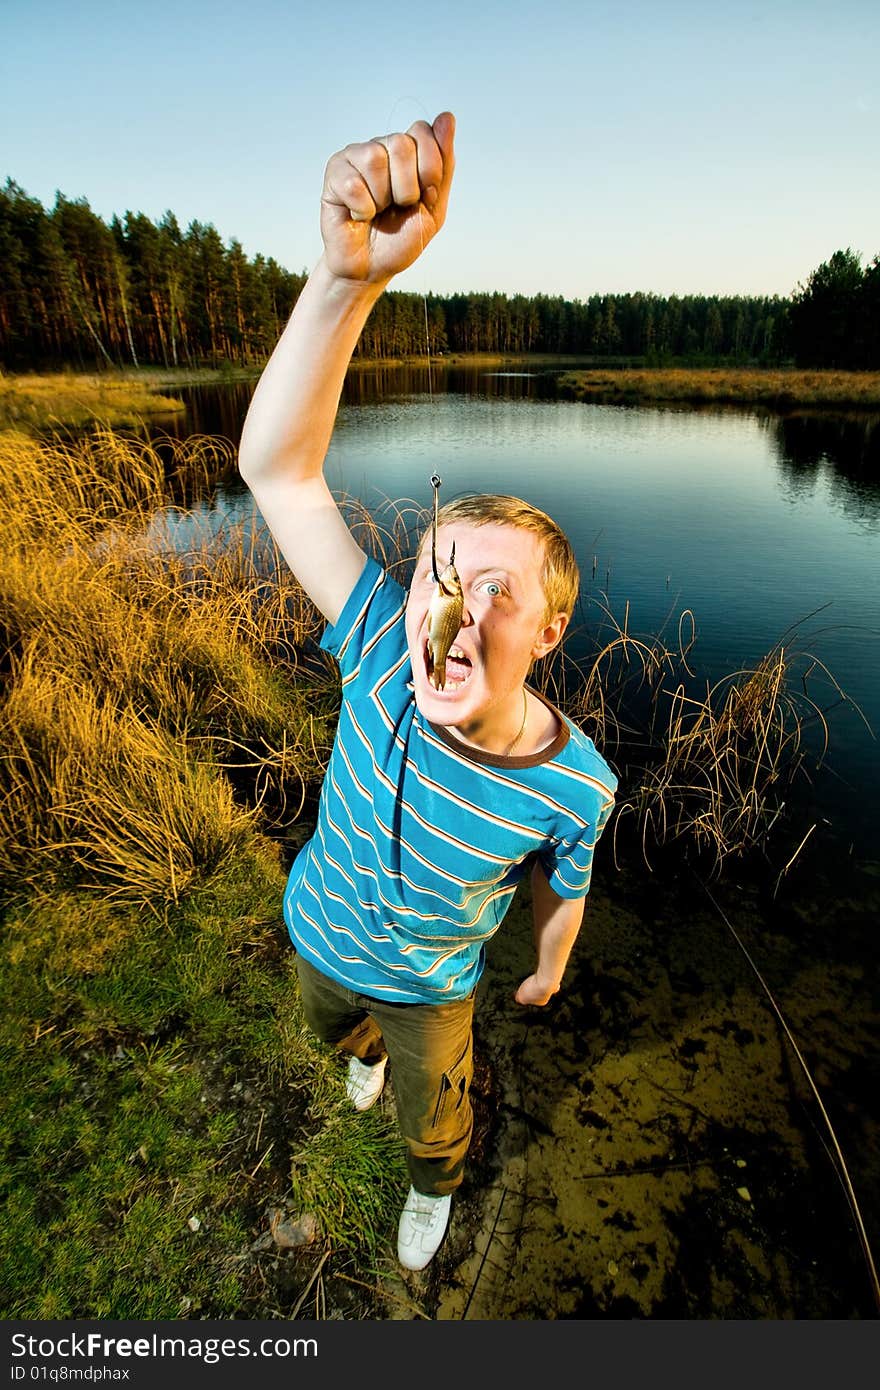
x,y
440,794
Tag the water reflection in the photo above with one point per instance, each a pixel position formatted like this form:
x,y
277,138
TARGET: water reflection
x,y
217,409
839,452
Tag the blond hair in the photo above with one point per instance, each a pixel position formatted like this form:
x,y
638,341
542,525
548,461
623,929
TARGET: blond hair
x,y
560,576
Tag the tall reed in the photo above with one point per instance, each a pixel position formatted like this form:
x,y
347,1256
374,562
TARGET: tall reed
x,y
153,696
707,766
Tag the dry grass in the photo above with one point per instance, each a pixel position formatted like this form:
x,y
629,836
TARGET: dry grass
x,y
42,401
782,388
122,802
706,767
153,698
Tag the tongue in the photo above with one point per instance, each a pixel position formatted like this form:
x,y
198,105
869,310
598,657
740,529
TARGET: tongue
x,y
457,668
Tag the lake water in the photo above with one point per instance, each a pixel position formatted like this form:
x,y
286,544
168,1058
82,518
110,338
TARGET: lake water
x,y
646,1145
765,528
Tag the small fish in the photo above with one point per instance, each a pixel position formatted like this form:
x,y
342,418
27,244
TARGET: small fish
x,y
446,609
444,620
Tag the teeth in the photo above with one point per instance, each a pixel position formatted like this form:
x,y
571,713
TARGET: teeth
x,y
457,653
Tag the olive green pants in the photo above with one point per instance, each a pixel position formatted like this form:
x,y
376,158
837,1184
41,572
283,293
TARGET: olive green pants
x,y
430,1052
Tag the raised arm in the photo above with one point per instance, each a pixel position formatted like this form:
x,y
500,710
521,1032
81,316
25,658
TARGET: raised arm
x,y
382,203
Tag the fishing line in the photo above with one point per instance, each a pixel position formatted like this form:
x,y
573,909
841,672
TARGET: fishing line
x,y
389,125
435,484
445,608
414,101
422,211
843,1170
435,478
427,333
485,1254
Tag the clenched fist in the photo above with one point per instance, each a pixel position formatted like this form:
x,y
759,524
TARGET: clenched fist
x,y
384,200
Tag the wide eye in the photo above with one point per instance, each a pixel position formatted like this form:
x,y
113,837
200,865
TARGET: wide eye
x,y
493,588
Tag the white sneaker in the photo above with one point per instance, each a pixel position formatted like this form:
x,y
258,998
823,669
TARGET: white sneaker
x,y
423,1223
363,1085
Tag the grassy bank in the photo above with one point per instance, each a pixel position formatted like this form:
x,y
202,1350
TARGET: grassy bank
x,y
165,1108
165,1116
778,390
41,402
38,402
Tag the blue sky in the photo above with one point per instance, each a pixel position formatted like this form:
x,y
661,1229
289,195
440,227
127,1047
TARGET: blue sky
x,y
667,147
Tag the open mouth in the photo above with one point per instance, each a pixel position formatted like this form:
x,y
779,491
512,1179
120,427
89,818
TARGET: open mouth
x,y
449,675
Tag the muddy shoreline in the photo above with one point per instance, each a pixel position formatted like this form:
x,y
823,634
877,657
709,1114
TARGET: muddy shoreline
x,y
648,1146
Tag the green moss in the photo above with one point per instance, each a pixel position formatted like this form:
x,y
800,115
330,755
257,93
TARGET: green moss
x,y
141,1095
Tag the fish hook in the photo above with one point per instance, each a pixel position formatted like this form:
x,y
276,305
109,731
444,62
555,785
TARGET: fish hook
x,y
435,484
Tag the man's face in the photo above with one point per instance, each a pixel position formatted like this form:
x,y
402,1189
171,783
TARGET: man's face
x,y
503,624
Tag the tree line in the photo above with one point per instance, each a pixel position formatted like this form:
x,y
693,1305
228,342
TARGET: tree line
x,y
647,327
76,291
834,319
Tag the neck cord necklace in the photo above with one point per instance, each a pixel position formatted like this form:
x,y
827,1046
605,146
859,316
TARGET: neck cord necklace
x,y
522,727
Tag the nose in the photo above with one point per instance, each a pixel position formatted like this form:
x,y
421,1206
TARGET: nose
x,y
466,619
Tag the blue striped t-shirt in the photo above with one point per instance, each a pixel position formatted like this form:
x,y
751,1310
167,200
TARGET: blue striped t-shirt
x,y
421,840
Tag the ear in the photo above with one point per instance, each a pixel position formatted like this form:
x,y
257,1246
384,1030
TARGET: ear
x,y
549,636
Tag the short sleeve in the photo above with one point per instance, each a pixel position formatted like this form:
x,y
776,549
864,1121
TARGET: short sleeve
x,y
568,862
371,620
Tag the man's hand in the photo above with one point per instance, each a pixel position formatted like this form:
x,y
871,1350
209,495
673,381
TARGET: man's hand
x,y
532,991
384,200
382,203
556,922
